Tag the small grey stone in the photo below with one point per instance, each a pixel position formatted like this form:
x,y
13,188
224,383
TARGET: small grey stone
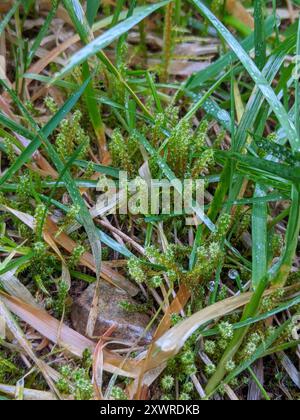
x,y
129,326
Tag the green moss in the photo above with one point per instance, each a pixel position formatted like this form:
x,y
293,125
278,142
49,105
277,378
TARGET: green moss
x,y
76,381
71,136
134,308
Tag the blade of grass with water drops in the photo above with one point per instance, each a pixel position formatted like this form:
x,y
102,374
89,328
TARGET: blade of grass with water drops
x,y
108,37
248,119
75,195
259,210
36,140
43,31
9,15
218,67
255,74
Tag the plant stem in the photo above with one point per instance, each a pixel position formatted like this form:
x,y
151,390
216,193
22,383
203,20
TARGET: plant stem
x,y
178,6
256,380
168,41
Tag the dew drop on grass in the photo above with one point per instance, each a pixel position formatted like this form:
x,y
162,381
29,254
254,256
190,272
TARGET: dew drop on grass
x,y
211,286
233,274
223,116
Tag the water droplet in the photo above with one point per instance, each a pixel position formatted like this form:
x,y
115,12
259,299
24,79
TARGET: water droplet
x,y
222,115
211,286
233,274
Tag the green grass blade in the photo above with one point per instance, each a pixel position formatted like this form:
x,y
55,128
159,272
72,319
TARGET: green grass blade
x,y
297,85
249,312
46,132
255,74
218,67
117,12
13,126
92,8
102,169
248,119
259,238
259,34
66,168
281,270
82,26
77,15
94,110
108,37
9,15
86,219
256,100
37,42
259,210
154,92
206,96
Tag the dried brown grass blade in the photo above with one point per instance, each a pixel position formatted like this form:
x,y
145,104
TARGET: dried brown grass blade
x,y
254,393
290,368
94,310
98,363
65,336
28,394
24,343
14,287
48,326
172,341
41,64
176,306
236,9
107,273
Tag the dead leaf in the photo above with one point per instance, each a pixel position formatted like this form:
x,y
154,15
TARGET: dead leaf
x,y
236,9
24,343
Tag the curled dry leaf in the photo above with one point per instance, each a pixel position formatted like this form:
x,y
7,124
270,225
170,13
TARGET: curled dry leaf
x,y
171,342
98,363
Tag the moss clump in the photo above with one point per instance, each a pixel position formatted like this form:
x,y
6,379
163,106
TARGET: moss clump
x,y
71,136
77,381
